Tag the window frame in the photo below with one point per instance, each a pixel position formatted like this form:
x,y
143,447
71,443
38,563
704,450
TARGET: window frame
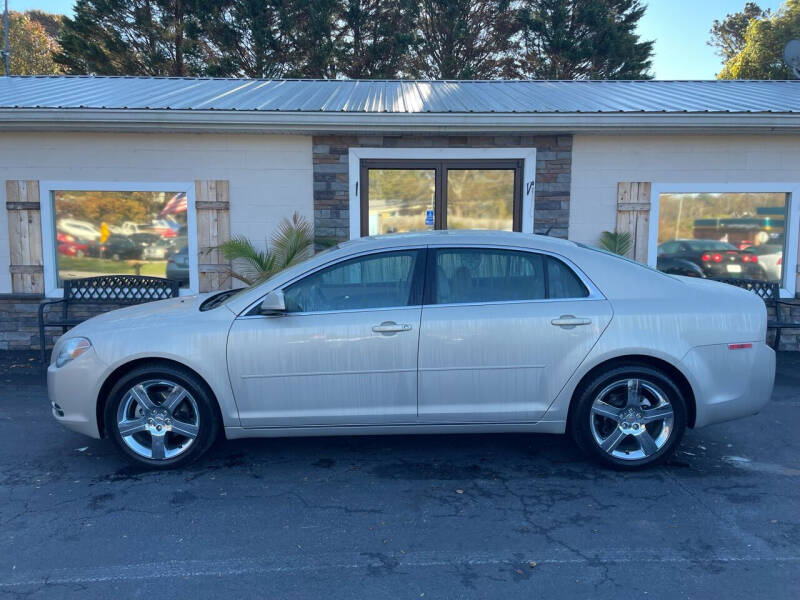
x,y
430,271
47,205
440,199
476,157
791,229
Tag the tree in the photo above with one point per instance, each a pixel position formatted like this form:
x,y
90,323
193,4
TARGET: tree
x,y
375,38
463,39
582,39
243,38
312,45
128,37
30,47
51,22
728,35
761,56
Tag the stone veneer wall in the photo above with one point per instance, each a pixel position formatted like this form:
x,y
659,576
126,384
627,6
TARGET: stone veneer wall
x,y
331,174
19,325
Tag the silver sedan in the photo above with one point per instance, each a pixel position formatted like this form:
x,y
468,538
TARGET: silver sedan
x,y
436,332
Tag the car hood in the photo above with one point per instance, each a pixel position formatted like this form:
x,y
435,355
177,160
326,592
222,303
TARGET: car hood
x,y
149,314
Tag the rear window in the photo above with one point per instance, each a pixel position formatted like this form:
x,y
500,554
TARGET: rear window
x,y
709,245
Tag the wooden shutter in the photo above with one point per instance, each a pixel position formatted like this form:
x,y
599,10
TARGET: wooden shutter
x,y
212,204
633,215
25,237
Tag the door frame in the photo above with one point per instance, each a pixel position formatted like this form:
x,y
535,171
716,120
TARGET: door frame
x,y
473,156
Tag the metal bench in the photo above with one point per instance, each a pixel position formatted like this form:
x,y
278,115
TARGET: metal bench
x,y
770,292
106,289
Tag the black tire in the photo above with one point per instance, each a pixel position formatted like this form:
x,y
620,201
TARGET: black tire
x,y
582,422
207,415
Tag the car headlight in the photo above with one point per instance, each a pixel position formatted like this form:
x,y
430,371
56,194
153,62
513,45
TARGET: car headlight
x,y
72,349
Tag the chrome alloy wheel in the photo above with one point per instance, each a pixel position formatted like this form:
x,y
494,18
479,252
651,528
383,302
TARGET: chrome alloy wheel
x,y
631,419
158,419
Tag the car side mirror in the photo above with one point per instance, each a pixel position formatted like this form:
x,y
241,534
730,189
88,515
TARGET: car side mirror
x,y
273,304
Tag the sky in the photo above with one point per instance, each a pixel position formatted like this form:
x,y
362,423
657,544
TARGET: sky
x,y
679,28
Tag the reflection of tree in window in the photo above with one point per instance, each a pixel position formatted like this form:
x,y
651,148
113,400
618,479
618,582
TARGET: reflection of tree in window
x,y
399,199
480,199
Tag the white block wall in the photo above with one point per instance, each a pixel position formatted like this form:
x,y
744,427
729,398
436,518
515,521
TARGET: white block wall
x,y
599,162
270,175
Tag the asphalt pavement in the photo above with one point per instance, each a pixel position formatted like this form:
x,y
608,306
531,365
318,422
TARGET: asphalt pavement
x,y
472,516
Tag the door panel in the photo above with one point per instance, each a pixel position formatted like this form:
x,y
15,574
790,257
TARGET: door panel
x,y
501,362
326,369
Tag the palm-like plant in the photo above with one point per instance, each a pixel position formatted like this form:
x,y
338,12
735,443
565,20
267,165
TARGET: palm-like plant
x,y
617,242
292,242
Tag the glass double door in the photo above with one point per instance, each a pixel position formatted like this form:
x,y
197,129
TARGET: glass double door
x,y
410,195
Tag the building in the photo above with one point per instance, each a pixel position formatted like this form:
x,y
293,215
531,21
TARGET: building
x,y
126,174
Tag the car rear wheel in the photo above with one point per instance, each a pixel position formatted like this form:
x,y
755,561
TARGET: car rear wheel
x,y
630,417
161,417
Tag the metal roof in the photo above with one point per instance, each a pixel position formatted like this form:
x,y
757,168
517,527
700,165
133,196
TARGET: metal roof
x,y
400,96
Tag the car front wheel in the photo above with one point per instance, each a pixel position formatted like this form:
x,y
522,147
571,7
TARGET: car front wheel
x,y
161,417
629,418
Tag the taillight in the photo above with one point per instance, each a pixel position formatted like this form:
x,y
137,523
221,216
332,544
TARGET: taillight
x,y
706,258
717,258
751,258
739,346
780,260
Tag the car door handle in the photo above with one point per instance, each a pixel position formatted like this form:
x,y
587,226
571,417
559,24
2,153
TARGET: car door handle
x,y
570,321
391,327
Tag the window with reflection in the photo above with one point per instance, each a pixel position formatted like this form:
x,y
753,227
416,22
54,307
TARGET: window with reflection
x,y
121,233
723,235
417,195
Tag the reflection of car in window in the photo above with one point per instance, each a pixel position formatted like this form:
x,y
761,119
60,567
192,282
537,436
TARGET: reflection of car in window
x,y
79,229
178,266
770,257
158,250
116,247
712,257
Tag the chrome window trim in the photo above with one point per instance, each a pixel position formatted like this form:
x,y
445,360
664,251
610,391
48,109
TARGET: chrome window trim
x,y
594,292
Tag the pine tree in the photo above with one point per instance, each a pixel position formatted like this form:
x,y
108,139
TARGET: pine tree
x,y
463,39
375,38
582,39
127,37
242,38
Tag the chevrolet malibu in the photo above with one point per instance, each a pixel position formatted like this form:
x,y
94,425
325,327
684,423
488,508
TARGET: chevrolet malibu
x,y
438,332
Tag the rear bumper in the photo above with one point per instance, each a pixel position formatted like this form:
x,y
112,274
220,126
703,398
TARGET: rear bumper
x,y
73,391
729,384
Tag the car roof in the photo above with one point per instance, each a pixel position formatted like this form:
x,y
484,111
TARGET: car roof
x,y
459,236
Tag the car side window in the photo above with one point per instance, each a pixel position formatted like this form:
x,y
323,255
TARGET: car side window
x,y
470,275
372,281
562,282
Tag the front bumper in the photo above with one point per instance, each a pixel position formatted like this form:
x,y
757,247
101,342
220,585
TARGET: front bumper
x,y
729,384
73,391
